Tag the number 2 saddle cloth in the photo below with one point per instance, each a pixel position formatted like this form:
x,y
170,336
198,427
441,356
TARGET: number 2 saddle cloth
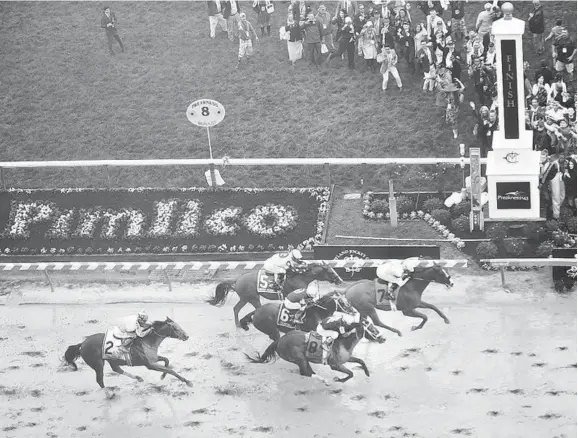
x,y
381,296
111,346
266,283
286,317
315,353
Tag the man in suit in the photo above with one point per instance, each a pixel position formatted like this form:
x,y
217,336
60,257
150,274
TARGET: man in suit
x,y
350,7
389,65
216,16
231,11
108,23
425,57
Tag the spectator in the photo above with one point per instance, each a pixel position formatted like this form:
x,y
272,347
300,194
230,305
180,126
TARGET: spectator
x,y
261,7
490,56
231,11
313,31
456,68
565,54
339,21
108,23
541,91
570,182
406,44
557,188
527,84
378,24
387,34
324,18
545,72
295,42
298,10
536,26
346,43
541,140
246,35
555,34
216,17
452,109
388,65
368,45
433,21
536,112
420,34
484,24
401,19
474,49
350,7
482,121
565,100
458,22
547,173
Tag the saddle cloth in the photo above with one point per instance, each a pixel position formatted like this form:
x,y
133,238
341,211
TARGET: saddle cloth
x,y
381,295
314,351
286,317
111,346
266,282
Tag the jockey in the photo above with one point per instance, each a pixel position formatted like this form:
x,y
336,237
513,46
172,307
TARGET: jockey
x,y
134,326
395,274
280,262
333,326
298,300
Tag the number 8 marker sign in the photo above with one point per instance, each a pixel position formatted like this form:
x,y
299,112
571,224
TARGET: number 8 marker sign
x,y
205,113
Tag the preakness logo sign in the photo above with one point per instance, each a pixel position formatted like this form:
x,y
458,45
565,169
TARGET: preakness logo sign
x,y
513,195
351,254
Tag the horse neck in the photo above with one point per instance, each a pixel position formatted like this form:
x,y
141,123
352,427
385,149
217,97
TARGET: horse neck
x,y
418,286
154,340
350,342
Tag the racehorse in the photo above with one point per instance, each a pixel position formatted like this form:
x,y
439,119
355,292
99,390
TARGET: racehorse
x,y
265,317
361,295
246,286
143,352
292,348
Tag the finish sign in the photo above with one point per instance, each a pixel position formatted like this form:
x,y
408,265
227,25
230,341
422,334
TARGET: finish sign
x,y
205,113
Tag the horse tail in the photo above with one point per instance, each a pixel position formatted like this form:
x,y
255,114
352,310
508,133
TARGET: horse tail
x,y
246,320
221,293
72,353
269,354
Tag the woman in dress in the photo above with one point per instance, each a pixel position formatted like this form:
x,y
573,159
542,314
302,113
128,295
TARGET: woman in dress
x,y
368,44
295,41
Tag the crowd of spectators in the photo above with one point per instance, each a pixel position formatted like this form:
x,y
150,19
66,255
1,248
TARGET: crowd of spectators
x,y
432,42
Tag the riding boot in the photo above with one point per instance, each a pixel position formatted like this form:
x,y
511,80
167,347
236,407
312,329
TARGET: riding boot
x,y
392,292
268,30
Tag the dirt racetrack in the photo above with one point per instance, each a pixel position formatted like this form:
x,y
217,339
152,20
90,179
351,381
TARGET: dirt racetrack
x,y
504,367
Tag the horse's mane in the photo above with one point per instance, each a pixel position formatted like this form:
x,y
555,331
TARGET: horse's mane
x,y
327,298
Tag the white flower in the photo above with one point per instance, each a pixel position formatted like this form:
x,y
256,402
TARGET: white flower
x,y
165,211
87,223
62,226
188,225
25,214
451,236
223,222
271,220
135,224
112,221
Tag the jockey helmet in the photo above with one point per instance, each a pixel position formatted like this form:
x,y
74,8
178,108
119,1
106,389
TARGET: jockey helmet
x,y
296,254
142,316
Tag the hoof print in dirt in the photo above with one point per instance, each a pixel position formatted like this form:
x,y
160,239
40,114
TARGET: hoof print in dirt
x,y
147,409
516,353
428,368
493,413
477,390
13,367
192,424
302,409
531,354
32,353
223,335
562,348
191,354
395,428
37,365
81,428
301,392
573,365
92,321
388,397
460,431
227,390
490,351
9,428
31,424
550,416
336,391
377,414
539,364
207,356
36,393
80,393
357,397
457,372
200,411
40,409
264,429
516,391
554,393
7,391
527,406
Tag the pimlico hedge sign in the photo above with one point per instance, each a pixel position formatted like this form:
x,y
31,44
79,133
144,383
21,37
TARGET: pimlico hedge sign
x,y
148,220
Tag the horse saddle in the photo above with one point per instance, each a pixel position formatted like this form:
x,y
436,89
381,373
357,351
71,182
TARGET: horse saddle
x,y
314,352
266,282
111,346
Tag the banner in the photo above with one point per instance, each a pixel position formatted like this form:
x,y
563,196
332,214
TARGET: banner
x,y
356,252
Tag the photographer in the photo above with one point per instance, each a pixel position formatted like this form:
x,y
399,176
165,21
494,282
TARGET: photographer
x,y
313,31
108,23
346,43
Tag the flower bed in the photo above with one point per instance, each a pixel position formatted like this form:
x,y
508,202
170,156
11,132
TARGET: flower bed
x,y
148,220
511,240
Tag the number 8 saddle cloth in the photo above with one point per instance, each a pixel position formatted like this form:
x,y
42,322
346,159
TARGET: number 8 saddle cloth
x,y
314,352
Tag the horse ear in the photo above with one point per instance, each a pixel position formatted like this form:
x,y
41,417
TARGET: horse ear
x,y
168,319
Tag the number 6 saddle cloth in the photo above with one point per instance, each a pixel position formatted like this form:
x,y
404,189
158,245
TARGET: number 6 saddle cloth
x,y
286,317
111,346
315,353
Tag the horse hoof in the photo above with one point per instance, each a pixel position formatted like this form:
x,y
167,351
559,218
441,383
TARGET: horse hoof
x,y
189,384
414,328
139,379
447,321
399,334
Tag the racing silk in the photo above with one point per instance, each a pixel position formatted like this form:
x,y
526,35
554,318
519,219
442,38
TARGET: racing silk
x,y
337,322
279,263
132,327
393,271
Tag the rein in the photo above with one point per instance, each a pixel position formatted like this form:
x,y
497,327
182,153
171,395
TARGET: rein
x,y
162,336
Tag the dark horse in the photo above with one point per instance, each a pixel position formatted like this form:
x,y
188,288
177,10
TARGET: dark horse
x,y
246,286
143,352
265,317
362,296
292,348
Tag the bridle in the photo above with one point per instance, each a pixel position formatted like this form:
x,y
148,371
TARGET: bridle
x,y
171,330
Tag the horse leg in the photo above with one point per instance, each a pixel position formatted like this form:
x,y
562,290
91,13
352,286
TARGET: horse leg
x,y
341,368
166,361
162,369
237,309
415,314
375,318
99,370
117,369
304,368
424,305
360,362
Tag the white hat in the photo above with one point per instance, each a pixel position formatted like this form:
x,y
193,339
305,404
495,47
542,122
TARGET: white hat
x,y
488,6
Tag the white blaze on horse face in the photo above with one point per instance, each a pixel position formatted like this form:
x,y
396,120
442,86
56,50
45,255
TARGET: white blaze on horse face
x,y
450,281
